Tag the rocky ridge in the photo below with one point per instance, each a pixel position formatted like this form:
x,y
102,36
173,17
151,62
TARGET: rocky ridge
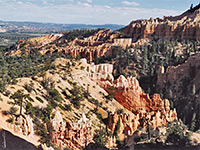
x,y
69,126
185,26
128,93
174,76
96,45
75,136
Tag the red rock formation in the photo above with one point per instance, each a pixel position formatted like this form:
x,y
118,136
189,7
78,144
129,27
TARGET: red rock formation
x,y
23,124
96,45
175,76
185,26
129,94
75,136
124,42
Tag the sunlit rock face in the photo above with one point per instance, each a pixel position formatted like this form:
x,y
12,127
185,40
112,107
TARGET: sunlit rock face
x,y
184,26
127,91
96,45
72,135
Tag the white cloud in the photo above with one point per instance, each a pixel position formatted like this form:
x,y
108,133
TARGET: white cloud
x,y
45,2
106,6
89,1
20,3
81,13
130,3
84,4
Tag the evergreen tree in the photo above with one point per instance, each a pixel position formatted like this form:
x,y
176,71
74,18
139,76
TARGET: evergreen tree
x,y
193,122
19,97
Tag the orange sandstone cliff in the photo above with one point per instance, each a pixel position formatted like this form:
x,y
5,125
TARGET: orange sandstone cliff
x,y
127,91
184,26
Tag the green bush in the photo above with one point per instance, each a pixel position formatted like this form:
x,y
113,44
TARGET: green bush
x,y
54,94
12,110
175,135
30,109
39,99
61,106
10,120
100,137
28,87
120,111
68,107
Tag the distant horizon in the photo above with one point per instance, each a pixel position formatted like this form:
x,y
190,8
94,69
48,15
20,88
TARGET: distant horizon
x,y
90,12
60,23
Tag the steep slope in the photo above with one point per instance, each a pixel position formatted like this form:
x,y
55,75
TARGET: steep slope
x,y
69,93
186,26
181,85
91,44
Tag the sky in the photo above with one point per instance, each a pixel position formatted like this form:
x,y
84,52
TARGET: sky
x,y
90,11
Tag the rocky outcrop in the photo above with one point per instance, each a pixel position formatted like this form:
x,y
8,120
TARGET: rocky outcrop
x,y
185,26
96,45
101,72
129,123
124,42
127,91
72,135
180,78
23,124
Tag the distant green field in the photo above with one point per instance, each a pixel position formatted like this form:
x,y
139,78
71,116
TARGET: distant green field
x,y
10,38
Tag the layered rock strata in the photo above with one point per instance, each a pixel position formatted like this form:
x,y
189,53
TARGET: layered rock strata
x,y
96,45
127,91
180,78
185,26
23,124
71,135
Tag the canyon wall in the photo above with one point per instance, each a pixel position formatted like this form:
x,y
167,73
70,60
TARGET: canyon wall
x,y
185,26
181,78
96,45
71,135
127,91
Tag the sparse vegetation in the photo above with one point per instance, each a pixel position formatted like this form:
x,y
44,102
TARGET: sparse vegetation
x,y
100,137
39,99
28,87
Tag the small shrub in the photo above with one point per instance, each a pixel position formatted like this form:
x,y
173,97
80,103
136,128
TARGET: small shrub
x,y
68,107
100,138
88,69
30,99
99,116
61,106
14,81
10,120
1,99
39,99
120,111
82,67
7,93
12,110
54,94
30,109
28,87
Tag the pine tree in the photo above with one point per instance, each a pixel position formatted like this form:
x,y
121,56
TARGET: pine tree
x,y
19,97
193,122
